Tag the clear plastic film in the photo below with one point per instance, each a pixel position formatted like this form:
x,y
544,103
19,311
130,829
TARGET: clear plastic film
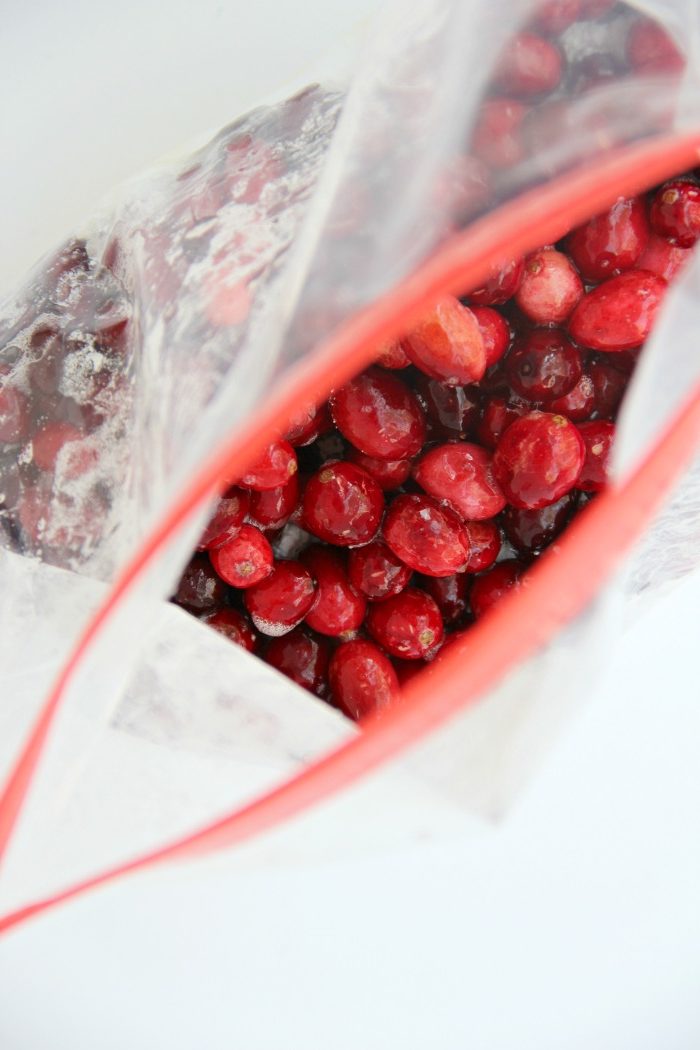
x,y
138,347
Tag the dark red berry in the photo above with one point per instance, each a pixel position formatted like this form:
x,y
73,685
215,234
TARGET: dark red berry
x,y
226,520
308,425
376,572
550,287
452,411
612,242
339,609
500,286
530,531
271,469
379,415
388,473
598,437
495,331
528,66
342,504
609,385
362,680
244,560
620,313
497,416
675,212
282,600
406,670
234,626
544,365
663,258
301,656
538,459
429,538
392,355
554,16
447,345
579,403
272,508
408,625
460,474
497,140
485,540
490,588
199,587
450,594
650,49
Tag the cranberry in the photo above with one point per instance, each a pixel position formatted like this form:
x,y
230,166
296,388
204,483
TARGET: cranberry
x,y
452,411
544,365
554,16
485,541
244,560
392,355
598,437
378,414
675,212
14,414
275,466
620,313
488,589
538,459
530,531
497,140
343,504
500,286
550,287
461,475
650,49
428,537
528,66
609,385
498,414
362,679
449,594
663,258
408,625
234,626
447,345
495,331
227,519
579,403
273,508
388,473
200,588
62,447
612,241
301,656
376,572
282,600
406,670
308,425
339,609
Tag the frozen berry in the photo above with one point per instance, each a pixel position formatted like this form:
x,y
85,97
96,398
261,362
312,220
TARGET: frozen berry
x,y
497,416
538,459
598,437
342,504
234,626
429,538
485,545
376,572
530,531
544,365
308,425
579,403
528,66
301,656
362,680
619,314
650,49
271,469
460,474
282,600
379,415
675,212
388,473
490,588
611,242
272,508
226,520
200,588
609,385
244,560
501,286
339,609
495,331
451,411
450,594
663,258
497,140
550,287
409,625
447,345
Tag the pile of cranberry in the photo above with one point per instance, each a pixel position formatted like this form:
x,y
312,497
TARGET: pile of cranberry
x,y
392,517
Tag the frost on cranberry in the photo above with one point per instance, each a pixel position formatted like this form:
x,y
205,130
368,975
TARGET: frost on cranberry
x,y
447,344
339,609
538,459
598,437
376,572
302,656
493,586
461,474
544,365
362,679
426,536
612,242
281,601
243,560
675,212
409,625
379,415
620,313
14,413
550,287
234,626
342,504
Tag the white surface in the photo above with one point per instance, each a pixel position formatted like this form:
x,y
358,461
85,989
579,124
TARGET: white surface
x,y
574,925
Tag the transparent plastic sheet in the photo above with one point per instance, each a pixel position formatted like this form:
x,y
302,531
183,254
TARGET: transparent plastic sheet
x,y
228,269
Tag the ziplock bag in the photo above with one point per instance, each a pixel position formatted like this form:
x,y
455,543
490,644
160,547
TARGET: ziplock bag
x,y
204,306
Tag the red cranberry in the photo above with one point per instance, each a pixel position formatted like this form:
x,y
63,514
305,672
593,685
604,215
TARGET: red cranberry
x,y
609,386
282,600
452,411
620,313
497,416
61,446
500,286
530,531
376,572
461,475
388,473
598,437
362,680
378,414
550,287
227,519
485,540
14,414
428,537
488,589
244,560
273,508
544,365
650,49
612,241
449,594
408,625
675,212
447,345
200,588
273,468
392,355
579,403
339,609
529,66
308,425
538,459
495,331
342,504
301,656
554,16
234,626
663,258
497,140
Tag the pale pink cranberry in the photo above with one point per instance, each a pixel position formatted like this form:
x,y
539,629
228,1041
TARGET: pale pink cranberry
x,y
620,313
447,345
461,474
550,287
529,66
63,448
538,459
598,437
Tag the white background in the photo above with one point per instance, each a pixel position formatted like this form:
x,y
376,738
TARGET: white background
x,y
575,924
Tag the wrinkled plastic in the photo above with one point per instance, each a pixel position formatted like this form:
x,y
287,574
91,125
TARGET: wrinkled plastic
x,y
192,296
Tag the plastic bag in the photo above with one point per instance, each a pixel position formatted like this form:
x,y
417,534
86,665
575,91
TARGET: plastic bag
x,y
205,304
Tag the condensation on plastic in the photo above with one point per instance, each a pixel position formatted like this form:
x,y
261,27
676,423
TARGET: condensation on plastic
x,y
229,267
